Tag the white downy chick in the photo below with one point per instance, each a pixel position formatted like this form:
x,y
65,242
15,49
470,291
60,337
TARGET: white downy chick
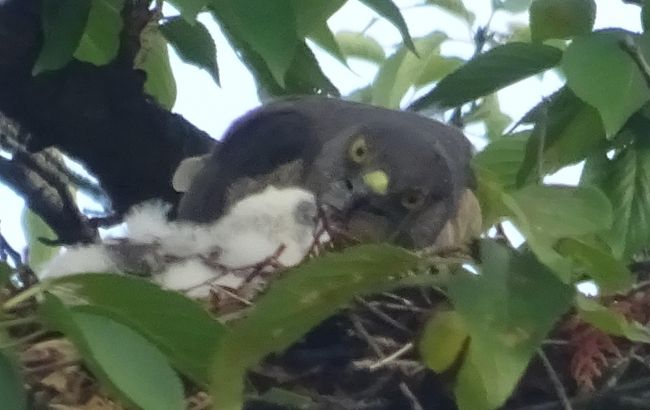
x,y
256,226
251,232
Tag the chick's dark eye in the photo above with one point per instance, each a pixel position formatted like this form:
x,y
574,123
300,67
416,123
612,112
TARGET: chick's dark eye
x,y
413,200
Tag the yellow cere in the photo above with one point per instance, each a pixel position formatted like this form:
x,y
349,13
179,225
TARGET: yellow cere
x,y
377,181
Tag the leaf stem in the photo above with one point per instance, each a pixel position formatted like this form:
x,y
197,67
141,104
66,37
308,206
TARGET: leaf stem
x,y
22,296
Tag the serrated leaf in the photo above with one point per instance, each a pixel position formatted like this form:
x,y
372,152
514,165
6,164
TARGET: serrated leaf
x,y
442,340
609,321
120,358
101,38
604,76
193,43
295,303
626,181
178,326
508,310
35,228
267,27
489,72
153,59
12,392
63,23
572,131
388,10
561,18
189,9
399,71
359,45
596,259
455,7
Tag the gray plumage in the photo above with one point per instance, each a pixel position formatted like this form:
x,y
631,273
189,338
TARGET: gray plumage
x,y
392,175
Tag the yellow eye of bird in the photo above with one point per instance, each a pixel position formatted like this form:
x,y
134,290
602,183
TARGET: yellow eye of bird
x,y
413,199
358,150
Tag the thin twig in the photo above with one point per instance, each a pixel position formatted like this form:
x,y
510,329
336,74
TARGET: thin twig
x,y
555,380
358,326
392,357
406,391
383,316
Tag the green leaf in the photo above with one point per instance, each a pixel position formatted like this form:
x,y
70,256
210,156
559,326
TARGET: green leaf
x,y
286,399
561,18
502,158
489,112
442,340
63,22
596,259
437,67
35,228
297,302
178,326
572,131
305,75
455,7
626,181
603,75
508,309
193,43
313,13
392,13
189,9
489,72
398,73
12,391
609,321
5,274
121,359
311,21
562,211
545,214
101,39
324,37
153,59
267,27
359,45
645,16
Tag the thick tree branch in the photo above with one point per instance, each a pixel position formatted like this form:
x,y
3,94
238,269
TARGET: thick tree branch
x,y
97,115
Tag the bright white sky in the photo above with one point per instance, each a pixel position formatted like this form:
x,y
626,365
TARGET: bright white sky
x,y
213,109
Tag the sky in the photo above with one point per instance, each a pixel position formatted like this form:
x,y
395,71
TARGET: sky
x,y
212,108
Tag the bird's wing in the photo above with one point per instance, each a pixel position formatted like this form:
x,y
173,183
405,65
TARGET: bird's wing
x,y
254,147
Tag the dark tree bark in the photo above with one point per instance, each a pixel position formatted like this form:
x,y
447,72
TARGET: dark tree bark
x,y
99,116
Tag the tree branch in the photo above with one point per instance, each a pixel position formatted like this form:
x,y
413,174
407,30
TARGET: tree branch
x,y
99,116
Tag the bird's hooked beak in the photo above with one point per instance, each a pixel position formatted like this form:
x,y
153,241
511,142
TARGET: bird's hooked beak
x,y
344,194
